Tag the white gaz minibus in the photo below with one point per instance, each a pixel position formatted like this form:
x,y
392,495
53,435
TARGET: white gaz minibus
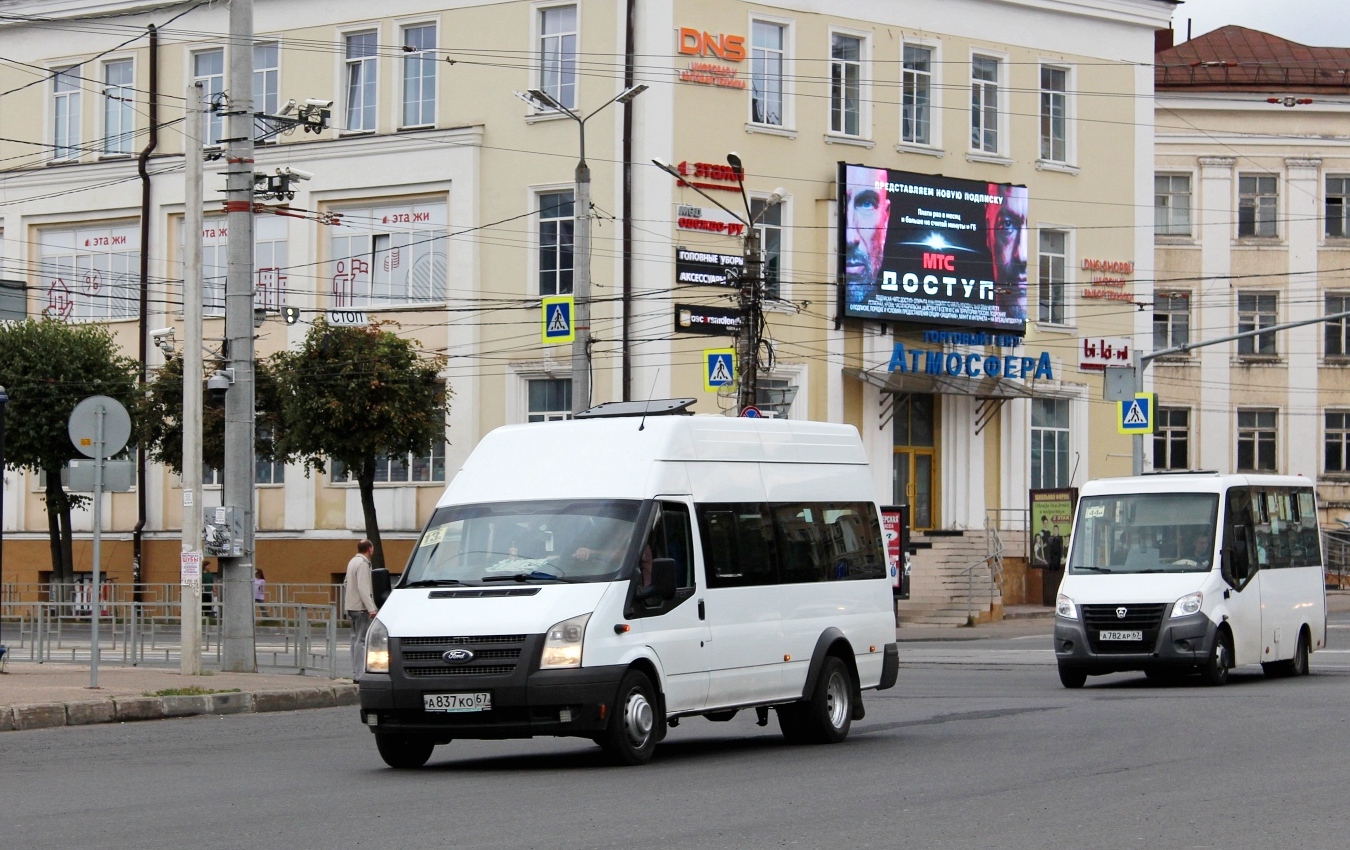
x,y
1192,573
608,576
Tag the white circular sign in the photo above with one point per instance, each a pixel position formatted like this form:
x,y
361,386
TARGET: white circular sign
x,y
83,426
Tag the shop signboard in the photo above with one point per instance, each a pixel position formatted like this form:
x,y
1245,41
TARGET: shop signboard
x,y
939,251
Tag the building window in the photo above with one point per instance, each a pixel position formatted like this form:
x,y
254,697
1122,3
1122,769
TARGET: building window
x,y
361,58
118,98
1053,275
1337,442
1171,439
208,68
916,96
1054,114
1338,207
1049,442
13,300
268,471
1256,311
212,477
769,222
775,395
269,253
1172,204
558,54
267,84
556,221
1171,319
411,468
550,399
1257,203
389,256
419,76
984,104
1256,441
1337,331
89,272
767,48
66,114
846,84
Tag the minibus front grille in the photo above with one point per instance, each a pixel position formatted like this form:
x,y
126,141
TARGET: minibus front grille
x,y
481,654
438,671
1146,619
448,642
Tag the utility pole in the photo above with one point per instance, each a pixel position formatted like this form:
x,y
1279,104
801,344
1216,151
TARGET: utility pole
x,y
1141,362
747,339
238,652
191,592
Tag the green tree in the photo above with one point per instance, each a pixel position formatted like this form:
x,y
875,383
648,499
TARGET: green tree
x,y
354,395
162,415
48,367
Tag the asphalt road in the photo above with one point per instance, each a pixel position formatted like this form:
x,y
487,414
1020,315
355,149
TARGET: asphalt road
x,y
978,746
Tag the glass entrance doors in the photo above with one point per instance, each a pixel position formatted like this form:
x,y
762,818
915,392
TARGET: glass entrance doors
x,y
913,479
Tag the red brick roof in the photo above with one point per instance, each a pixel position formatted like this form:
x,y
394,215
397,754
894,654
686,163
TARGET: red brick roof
x,y
1234,58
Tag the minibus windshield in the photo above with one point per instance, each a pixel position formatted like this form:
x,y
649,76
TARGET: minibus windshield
x,y
1145,533
528,542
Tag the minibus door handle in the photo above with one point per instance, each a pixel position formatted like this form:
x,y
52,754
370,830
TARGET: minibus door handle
x,y
702,614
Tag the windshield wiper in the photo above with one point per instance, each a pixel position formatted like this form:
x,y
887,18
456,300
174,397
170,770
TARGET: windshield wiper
x,y
534,576
433,582
1092,569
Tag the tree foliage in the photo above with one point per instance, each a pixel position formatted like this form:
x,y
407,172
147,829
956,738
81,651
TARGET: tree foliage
x,y
48,367
354,395
162,413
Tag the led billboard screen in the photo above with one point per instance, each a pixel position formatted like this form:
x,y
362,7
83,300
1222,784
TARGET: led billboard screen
x,y
932,250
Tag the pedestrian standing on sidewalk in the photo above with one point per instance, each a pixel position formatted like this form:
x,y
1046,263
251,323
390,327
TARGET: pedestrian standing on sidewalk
x,y
259,591
359,602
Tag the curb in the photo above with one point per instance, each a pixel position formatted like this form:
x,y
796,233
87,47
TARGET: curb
x,y
125,709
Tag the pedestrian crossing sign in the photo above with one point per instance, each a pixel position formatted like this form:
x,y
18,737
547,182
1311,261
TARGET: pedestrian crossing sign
x,y
719,368
556,320
1137,415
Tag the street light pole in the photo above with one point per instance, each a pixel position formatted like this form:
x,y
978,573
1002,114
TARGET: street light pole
x,y
581,241
751,290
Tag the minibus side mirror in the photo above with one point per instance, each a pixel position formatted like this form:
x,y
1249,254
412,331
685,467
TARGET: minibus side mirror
x,y
1234,565
380,585
663,577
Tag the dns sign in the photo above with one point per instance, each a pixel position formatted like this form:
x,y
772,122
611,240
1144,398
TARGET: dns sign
x,y
730,48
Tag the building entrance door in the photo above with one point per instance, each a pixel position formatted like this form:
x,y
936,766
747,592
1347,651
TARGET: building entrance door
x,y
914,478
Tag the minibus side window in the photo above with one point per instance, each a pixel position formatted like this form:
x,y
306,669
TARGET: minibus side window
x,y
1307,537
738,545
1239,541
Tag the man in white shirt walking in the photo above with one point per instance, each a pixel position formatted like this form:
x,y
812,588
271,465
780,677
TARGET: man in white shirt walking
x,y
359,601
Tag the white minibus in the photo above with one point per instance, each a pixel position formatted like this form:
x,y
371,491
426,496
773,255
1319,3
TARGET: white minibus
x,y
608,576
1174,573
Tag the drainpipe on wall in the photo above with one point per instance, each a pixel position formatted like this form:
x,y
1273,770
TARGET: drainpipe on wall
x,y
144,331
627,226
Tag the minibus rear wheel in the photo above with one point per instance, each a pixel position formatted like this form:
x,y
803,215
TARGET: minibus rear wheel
x,y
826,717
404,752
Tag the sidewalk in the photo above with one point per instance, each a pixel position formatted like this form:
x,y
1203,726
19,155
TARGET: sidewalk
x,y
38,696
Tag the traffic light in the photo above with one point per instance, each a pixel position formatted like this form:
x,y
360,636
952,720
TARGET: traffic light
x,y
292,314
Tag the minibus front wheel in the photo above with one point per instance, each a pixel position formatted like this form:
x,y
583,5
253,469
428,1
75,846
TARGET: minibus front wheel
x,y
404,752
630,738
1214,672
1072,677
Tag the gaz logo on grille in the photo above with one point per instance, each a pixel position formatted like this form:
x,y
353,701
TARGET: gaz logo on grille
x,y
1120,614
457,656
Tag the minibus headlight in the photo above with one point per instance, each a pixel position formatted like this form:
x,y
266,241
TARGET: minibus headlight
x,y
377,648
1065,608
1188,604
562,644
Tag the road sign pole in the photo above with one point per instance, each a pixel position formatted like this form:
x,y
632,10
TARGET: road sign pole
x,y
99,453
1137,440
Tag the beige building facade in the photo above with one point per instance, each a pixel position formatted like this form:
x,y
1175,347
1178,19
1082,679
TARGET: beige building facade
x,y
1251,190
440,201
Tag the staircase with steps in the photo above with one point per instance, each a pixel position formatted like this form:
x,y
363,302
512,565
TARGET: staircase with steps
x,y
940,593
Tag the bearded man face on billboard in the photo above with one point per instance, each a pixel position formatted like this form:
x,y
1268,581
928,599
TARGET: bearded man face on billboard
x,y
867,214
1006,236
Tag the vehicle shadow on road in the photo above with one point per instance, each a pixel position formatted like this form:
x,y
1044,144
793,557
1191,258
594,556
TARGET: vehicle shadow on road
x,y
588,757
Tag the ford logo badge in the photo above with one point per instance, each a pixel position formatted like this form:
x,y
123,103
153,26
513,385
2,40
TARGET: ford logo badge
x,y
1120,614
457,656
